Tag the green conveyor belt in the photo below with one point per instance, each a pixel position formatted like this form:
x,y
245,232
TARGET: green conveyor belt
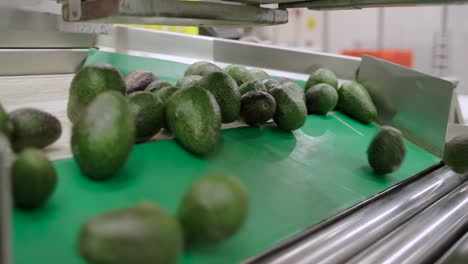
x,y
295,179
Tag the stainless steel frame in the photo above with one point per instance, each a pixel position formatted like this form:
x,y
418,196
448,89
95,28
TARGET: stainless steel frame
x,y
32,61
203,13
5,202
348,236
425,237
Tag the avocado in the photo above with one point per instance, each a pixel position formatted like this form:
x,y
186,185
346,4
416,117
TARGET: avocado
x,y
144,233
189,81
88,83
6,127
148,113
257,108
271,83
138,80
194,116
321,99
213,209
239,73
387,150
322,76
33,128
292,85
157,85
254,85
355,101
291,110
103,137
33,179
456,154
259,74
164,94
201,68
226,92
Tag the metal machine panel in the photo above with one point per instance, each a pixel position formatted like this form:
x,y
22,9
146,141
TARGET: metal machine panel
x,y
32,61
416,103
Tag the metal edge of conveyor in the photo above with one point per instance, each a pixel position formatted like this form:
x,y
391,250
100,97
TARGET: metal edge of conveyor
x,y
32,44
347,233
284,59
457,254
41,61
426,236
5,202
269,57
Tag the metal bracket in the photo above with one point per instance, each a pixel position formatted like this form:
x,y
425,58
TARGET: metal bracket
x,y
172,12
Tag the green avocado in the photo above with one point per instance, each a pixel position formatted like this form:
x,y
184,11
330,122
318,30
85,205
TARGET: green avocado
x,y
291,110
6,127
226,92
213,209
387,150
257,108
88,83
322,76
145,234
33,179
33,128
239,73
157,85
456,154
148,113
259,74
355,101
292,85
254,85
103,137
202,68
271,83
164,94
321,99
138,80
194,116
189,81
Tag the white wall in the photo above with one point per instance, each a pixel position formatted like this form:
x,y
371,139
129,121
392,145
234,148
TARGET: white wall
x,y
352,29
404,28
458,28
413,28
